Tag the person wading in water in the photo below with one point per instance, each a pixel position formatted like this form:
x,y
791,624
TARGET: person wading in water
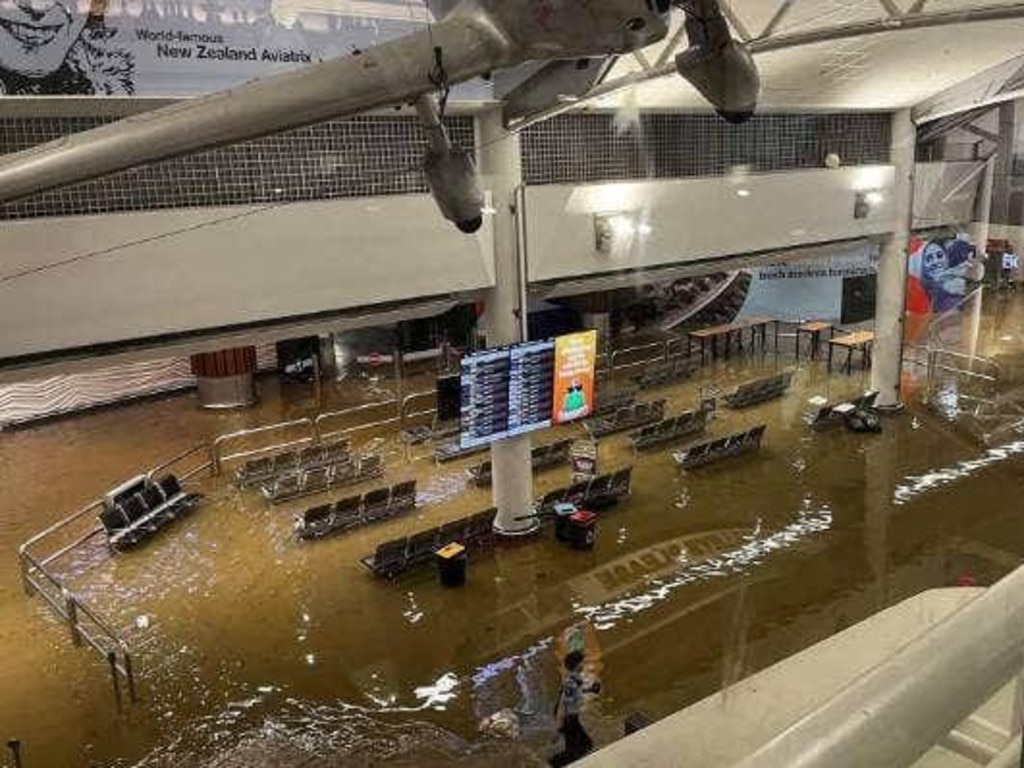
x,y
567,710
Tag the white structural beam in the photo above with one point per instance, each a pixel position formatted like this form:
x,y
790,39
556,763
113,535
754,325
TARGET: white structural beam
x,y
891,8
906,23
735,21
773,23
995,85
887,365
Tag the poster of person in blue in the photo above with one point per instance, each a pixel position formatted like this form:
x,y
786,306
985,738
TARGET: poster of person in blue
x,y
52,47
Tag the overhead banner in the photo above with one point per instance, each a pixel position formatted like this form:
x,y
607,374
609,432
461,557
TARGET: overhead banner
x,y
175,48
575,361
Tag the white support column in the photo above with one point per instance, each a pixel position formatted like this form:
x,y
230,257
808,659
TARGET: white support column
x,y
892,268
505,314
979,235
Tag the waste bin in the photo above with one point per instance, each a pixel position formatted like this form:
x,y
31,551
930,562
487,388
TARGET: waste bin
x,y
451,564
562,514
581,529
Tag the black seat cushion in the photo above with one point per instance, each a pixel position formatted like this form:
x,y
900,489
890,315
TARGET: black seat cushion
x,y
170,486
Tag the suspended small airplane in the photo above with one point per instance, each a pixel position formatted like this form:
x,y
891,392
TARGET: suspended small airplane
x,y
471,38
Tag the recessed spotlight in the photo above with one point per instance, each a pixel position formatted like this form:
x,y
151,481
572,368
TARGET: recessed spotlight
x,y
743,192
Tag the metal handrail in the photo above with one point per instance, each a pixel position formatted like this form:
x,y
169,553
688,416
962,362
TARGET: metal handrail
x,y
413,397
62,523
215,458
201,448
349,412
616,353
898,710
348,431
971,359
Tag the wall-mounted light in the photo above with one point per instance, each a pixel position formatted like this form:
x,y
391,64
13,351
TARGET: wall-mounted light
x,y
865,202
617,231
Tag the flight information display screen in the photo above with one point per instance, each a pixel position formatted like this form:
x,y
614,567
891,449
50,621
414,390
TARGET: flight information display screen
x,y
507,391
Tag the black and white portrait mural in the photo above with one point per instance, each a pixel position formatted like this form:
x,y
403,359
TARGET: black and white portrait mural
x,y
61,47
179,48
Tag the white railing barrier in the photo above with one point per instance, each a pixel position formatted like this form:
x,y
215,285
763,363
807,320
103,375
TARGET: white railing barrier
x,y
906,705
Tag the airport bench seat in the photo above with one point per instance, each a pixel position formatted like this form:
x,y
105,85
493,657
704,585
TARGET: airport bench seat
x,y
138,509
609,402
759,391
597,492
631,417
669,430
541,457
389,558
720,448
263,470
393,557
667,372
353,511
319,479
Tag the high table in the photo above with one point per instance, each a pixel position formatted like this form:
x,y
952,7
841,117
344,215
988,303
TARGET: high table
x,y
814,329
758,327
861,341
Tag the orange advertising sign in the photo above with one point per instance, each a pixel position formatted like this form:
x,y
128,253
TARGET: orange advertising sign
x,y
575,358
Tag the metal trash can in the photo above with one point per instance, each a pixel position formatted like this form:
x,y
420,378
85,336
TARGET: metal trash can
x,y
581,529
451,565
562,514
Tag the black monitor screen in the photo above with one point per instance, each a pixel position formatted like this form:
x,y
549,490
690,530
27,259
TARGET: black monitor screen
x,y
506,391
449,397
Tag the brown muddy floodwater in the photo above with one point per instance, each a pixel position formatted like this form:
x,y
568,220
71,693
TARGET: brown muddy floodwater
x,y
263,651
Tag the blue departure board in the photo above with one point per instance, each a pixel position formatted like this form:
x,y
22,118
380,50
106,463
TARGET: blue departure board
x,y
506,391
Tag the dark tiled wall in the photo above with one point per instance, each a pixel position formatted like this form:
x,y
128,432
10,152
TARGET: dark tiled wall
x,y
589,147
359,157
380,155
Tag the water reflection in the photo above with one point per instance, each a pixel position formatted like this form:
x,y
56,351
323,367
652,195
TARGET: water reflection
x,y
738,561
916,485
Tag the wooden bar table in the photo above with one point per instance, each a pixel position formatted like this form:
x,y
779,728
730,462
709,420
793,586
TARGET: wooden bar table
x,y
860,341
814,329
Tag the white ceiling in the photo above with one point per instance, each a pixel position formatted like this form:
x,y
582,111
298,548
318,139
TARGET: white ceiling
x,y
885,71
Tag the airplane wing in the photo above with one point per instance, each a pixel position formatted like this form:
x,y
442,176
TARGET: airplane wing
x,y
475,37
391,73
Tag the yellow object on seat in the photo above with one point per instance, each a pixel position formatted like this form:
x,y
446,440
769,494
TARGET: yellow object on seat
x,y
450,551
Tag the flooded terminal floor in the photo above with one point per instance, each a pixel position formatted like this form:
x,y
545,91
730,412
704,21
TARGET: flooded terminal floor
x,y
254,649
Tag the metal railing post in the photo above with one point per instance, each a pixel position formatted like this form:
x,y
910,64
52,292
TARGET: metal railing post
x,y
129,675
215,459
71,607
112,662
933,359
15,746
26,580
